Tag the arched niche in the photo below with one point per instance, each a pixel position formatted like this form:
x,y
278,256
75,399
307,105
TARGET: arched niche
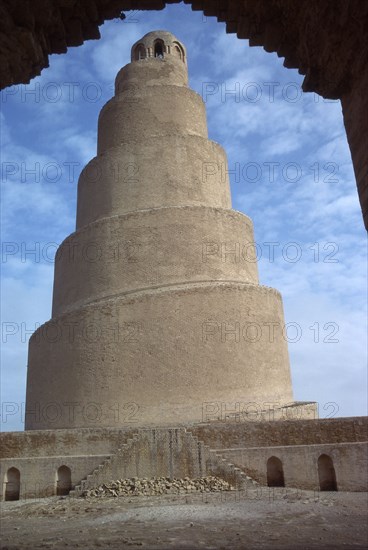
x,y
326,473
12,484
178,51
139,52
275,472
63,481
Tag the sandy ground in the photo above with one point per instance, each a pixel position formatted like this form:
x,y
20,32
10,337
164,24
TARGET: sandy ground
x,y
263,518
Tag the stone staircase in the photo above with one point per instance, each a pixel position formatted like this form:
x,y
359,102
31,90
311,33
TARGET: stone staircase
x,y
163,452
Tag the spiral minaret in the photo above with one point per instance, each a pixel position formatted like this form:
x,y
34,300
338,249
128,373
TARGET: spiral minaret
x,y
157,308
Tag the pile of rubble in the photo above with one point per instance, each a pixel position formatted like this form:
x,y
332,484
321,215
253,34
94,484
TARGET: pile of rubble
x,y
158,486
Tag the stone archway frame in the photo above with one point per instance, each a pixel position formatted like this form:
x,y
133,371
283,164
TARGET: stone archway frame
x,y
326,42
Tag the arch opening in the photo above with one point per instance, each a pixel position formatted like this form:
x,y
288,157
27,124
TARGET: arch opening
x,y
12,484
64,481
159,48
177,50
326,473
275,472
139,53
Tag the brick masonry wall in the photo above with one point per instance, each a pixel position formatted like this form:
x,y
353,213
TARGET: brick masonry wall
x,y
300,464
38,476
82,441
247,446
90,441
280,433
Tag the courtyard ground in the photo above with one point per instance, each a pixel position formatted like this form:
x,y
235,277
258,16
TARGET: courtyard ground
x,y
261,518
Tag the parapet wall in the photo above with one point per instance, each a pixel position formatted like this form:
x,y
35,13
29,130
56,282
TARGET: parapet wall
x,y
217,435
282,433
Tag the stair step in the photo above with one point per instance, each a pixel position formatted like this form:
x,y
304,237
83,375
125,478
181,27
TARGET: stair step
x,y
210,460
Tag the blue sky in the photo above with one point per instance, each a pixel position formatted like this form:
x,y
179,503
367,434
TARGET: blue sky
x,y
291,172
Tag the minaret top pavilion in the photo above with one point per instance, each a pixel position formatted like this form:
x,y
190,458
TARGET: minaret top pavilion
x,y
158,44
